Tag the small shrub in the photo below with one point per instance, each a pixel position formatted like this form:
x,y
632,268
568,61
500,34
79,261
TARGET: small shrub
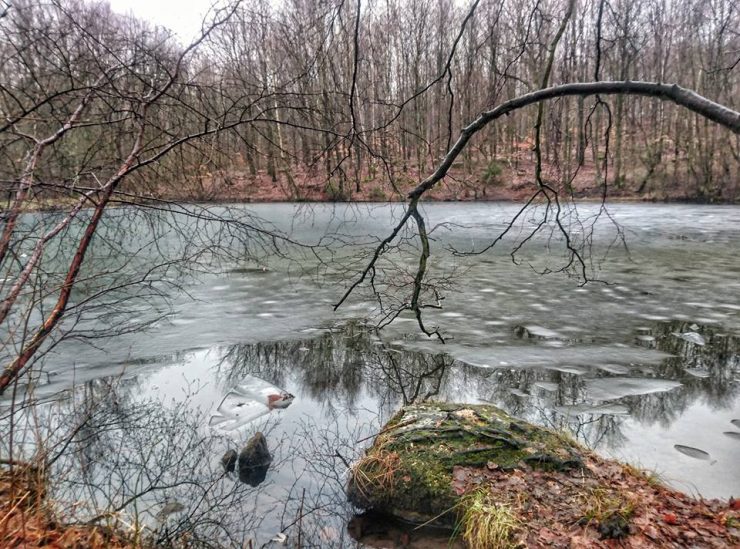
x,y
493,173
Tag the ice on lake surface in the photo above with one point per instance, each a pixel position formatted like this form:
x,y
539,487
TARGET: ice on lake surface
x,y
692,452
595,409
243,404
636,372
613,388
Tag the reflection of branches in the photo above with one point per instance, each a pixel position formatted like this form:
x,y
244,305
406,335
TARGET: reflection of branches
x,y
127,463
112,452
334,367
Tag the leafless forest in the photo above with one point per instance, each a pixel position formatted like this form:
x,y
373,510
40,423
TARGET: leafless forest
x,y
127,135
342,99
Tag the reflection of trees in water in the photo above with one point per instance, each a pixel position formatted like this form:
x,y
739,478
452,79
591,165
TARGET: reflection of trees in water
x,y
121,457
116,453
560,399
336,366
718,361
515,391
116,461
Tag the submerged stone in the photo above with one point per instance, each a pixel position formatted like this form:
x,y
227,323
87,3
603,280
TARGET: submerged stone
x,y
228,461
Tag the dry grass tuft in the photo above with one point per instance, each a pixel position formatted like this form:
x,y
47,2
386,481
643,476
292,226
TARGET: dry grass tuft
x,y
599,504
376,473
486,524
653,478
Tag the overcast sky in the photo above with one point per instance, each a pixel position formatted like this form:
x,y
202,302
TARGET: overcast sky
x,y
182,16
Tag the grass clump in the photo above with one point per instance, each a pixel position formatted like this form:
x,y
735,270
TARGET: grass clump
x,y
600,504
376,473
487,524
493,173
653,478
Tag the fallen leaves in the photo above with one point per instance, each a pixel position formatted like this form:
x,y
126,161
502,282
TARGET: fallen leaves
x,y
552,506
670,518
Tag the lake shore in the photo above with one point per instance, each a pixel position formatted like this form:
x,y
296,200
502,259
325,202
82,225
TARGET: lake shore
x,y
476,179
495,181
501,482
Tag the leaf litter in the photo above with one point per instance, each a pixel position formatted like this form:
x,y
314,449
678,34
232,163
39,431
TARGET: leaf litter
x,y
608,505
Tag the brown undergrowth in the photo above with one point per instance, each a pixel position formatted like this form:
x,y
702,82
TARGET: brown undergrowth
x,y
27,517
510,179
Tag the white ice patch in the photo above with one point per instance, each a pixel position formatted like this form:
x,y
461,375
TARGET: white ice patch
x,y
610,388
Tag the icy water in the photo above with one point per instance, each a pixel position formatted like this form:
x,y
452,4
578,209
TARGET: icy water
x,y
642,366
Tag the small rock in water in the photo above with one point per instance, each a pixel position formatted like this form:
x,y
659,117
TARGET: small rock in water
x,y
534,332
736,422
692,452
733,434
229,461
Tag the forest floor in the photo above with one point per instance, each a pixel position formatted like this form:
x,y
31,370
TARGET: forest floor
x,y
612,506
511,180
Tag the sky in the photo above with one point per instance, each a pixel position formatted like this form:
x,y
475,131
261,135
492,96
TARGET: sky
x,y
184,17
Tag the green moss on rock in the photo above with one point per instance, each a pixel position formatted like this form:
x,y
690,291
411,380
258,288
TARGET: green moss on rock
x,y
408,471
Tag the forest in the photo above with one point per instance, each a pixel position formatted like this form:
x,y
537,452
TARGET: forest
x,y
337,100
331,268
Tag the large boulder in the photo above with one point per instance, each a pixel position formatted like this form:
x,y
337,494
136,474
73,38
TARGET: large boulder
x,y
408,472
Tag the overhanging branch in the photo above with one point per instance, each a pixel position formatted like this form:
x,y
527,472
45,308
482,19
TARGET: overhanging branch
x,y
669,92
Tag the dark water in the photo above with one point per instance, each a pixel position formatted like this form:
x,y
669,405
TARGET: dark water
x,y
644,368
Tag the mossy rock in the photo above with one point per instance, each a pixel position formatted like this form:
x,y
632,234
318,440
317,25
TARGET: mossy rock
x,y
408,471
